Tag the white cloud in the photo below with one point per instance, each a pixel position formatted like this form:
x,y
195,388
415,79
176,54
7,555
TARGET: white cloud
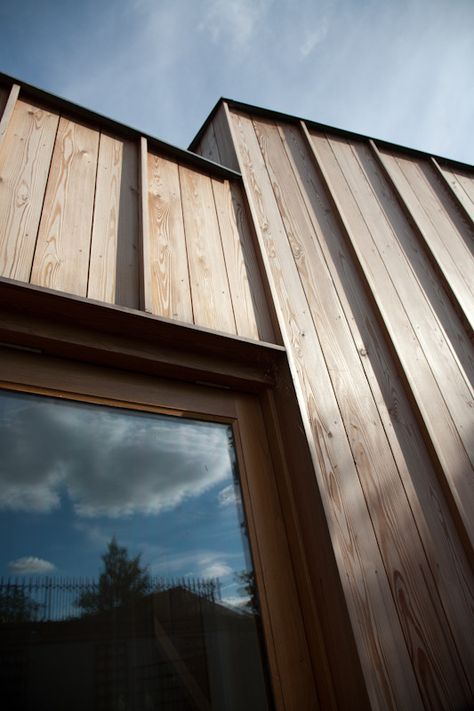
x,y
109,463
236,21
229,495
30,565
216,570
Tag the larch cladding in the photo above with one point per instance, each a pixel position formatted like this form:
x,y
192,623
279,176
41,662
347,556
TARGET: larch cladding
x,y
368,251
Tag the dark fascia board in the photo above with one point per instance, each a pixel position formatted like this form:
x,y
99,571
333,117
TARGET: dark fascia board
x,y
97,120
332,130
33,317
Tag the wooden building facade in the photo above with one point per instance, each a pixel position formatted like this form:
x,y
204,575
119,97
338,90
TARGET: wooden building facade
x,y
316,288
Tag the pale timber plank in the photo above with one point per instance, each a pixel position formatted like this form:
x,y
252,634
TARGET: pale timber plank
x,y
7,111
440,235
240,292
103,259
25,157
456,187
415,283
439,425
212,305
127,286
144,270
457,287
395,528
352,340
170,289
384,657
466,180
61,258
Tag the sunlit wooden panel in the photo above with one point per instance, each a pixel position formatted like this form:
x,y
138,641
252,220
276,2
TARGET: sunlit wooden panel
x,y
62,254
25,156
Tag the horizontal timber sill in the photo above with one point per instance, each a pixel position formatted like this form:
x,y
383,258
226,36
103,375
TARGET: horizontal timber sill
x,y
82,329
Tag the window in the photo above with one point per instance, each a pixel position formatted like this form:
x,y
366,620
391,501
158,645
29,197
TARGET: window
x,y
63,384
125,574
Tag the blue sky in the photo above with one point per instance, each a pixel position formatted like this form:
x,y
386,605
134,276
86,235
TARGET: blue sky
x,y
401,70
73,475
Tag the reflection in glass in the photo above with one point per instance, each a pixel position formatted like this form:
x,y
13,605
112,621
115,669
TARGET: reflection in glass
x,y
125,578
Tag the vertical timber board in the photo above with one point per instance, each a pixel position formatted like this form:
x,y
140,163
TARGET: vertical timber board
x,y
144,269
426,393
25,157
7,107
170,291
212,305
384,657
289,654
445,241
103,260
127,286
352,341
242,303
208,145
222,131
462,186
61,258
4,94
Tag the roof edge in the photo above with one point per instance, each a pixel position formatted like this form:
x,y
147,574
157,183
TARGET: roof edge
x,y
123,130
333,130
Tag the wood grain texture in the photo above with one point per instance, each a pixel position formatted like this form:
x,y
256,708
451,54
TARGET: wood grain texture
x,y
443,233
144,267
170,289
422,617
383,654
61,258
461,187
25,157
212,304
103,259
7,110
444,342
232,241
442,432
419,544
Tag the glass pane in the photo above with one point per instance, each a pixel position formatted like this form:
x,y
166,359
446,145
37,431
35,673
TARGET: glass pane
x,y
125,576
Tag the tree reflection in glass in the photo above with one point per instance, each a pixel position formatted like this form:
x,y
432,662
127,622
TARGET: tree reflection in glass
x,y
126,581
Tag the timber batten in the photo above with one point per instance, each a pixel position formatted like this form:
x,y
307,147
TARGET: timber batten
x,y
356,255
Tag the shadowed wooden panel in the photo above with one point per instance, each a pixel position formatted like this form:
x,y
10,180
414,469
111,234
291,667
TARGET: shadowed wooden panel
x,y
234,259
25,157
4,93
394,307
383,653
212,305
62,254
462,185
170,290
103,259
127,288
7,107
421,614
445,232
208,145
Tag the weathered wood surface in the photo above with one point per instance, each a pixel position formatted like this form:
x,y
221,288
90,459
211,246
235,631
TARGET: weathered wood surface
x,y
384,656
25,157
212,305
382,365
170,289
63,248
93,214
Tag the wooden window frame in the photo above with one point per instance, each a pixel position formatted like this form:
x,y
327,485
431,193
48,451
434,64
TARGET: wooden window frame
x,y
72,348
